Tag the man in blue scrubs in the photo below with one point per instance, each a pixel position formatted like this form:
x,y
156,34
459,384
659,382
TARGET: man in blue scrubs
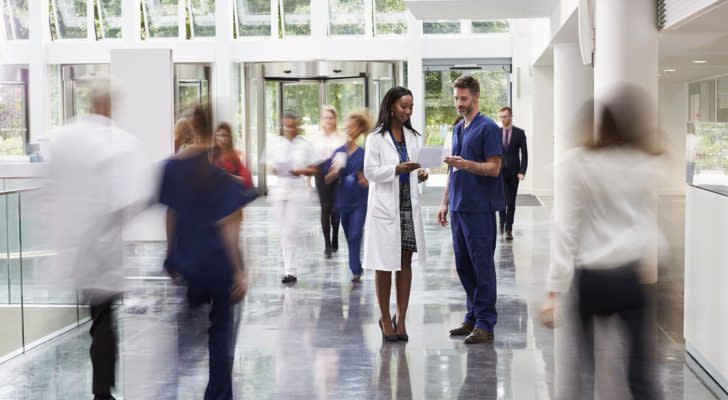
x,y
474,193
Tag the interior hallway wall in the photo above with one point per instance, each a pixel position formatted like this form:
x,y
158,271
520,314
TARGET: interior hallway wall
x,y
542,146
672,118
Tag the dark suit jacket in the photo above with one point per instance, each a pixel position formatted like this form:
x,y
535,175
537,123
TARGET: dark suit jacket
x,y
515,155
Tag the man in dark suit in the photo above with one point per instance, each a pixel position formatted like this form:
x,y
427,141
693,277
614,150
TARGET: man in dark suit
x,y
515,162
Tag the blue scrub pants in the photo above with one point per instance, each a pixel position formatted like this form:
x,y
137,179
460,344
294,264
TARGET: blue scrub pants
x,y
352,219
474,238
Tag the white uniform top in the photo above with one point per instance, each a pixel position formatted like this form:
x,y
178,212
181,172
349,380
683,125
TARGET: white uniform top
x,y
325,144
607,214
99,179
284,155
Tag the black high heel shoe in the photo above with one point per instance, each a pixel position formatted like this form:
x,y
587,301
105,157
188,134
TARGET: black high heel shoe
x,y
388,338
403,337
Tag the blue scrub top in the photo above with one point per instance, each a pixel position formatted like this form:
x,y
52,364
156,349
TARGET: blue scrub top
x,y
349,193
469,192
200,194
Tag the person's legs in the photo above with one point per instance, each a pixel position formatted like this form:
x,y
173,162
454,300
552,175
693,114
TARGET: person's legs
x,y
463,264
383,284
219,386
326,205
103,349
404,285
288,217
511,194
353,222
335,219
478,231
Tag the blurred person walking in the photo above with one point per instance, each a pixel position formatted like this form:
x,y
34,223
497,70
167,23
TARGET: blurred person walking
x,y
202,244
393,225
97,176
224,155
347,172
292,158
605,231
325,144
474,192
515,163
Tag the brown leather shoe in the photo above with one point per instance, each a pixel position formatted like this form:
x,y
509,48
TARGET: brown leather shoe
x,y
479,336
509,235
464,330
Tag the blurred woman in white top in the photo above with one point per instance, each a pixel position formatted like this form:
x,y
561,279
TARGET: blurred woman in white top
x,y
328,140
605,233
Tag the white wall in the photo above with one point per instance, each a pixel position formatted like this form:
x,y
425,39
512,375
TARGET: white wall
x,y
673,116
706,300
542,148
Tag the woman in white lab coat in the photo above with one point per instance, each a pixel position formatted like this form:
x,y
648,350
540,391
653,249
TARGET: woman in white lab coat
x,y
393,229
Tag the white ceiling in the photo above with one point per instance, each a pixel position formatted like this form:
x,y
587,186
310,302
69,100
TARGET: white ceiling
x,y
480,9
704,37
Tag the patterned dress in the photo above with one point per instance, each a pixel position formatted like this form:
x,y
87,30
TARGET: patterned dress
x,y
407,225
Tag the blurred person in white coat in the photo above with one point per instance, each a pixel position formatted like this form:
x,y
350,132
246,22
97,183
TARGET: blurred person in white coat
x,y
98,180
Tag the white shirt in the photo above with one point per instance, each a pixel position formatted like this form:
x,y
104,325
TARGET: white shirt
x,y
605,212
325,144
284,155
99,179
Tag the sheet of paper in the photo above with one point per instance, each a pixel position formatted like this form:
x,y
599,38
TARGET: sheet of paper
x,y
431,157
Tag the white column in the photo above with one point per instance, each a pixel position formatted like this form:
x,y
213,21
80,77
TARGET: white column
x,y
130,28
224,102
38,93
573,87
626,46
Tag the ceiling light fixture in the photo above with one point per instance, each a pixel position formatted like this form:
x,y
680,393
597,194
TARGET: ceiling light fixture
x,y
699,61
670,70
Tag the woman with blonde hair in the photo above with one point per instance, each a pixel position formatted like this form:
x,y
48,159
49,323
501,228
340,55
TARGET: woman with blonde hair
x,y
329,140
352,188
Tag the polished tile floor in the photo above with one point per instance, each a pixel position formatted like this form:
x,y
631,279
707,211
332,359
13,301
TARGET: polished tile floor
x,y
319,339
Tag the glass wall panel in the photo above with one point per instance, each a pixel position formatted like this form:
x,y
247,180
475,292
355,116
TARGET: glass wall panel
x,y
702,101
390,17
495,26
202,18
345,95
71,17
15,18
13,126
109,21
707,149
253,17
161,18
296,17
11,335
723,99
440,27
303,99
346,17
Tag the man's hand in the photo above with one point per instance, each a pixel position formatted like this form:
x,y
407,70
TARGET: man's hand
x,y
521,177
422,175
458,162
442,216
240,286
547,315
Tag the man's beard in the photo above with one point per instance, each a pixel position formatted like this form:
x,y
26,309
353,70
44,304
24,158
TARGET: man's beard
x,y
463,111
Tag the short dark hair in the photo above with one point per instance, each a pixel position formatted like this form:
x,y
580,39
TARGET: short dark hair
x,y
506,108
467,82
200,121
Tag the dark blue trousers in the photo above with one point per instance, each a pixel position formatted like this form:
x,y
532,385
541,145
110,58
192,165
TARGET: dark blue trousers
x,y
352,219
474,238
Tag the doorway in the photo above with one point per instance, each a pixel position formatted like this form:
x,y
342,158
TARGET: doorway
x,y
270,89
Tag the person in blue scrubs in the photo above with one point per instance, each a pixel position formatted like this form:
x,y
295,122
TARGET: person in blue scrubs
x,y
352,188
474,193
203,203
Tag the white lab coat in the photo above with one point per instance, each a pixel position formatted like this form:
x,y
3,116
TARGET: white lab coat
x,y
99,179
382,235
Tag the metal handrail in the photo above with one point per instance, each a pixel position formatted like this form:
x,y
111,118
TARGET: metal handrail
x,y
21,190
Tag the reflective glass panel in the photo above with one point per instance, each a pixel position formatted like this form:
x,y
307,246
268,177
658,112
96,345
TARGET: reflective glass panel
x,y
254,18
202,18
296,17
390,17
15,18
161,18
346,17
109,20
495,26
440,27
13,125
72,18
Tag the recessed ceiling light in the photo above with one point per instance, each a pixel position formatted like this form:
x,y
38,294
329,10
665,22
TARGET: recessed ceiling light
x,y
699,61
670,70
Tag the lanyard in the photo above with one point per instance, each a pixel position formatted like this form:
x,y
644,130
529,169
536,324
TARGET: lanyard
x,y
401,150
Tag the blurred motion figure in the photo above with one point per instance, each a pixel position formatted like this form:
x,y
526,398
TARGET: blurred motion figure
x,y
605,229
97,175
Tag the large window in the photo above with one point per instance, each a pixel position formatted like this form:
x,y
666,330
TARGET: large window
x,y
495,26
109,19
707,135
161,18
14,18
202,18
13,127
440,27
70,18
296,17
346,17
390,17
253,18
